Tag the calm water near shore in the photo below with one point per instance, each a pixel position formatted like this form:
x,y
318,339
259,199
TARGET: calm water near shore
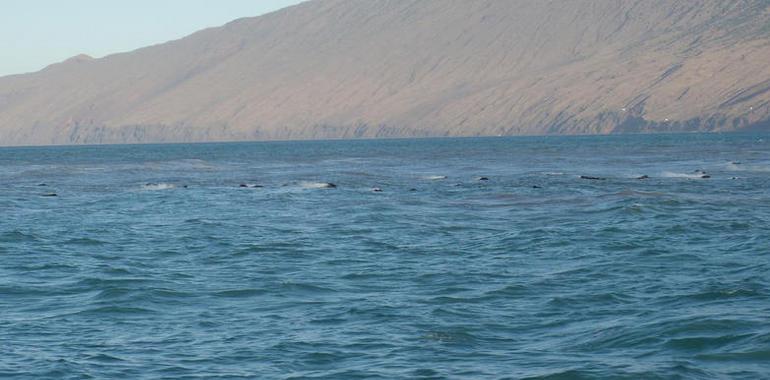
x,y
236,261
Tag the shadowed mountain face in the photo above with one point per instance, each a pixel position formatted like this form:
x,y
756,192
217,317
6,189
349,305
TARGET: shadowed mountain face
x,y
400,68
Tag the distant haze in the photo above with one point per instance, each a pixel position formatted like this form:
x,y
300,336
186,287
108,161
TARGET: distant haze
x,y
36,33
409,68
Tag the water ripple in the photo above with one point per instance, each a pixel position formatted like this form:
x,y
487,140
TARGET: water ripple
x,y
534,273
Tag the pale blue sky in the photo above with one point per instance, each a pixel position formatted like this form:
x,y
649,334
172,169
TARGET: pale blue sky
x,y
36,33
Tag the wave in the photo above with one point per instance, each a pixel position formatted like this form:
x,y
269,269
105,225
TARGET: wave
x,y
17,236
250,186
84,241
317,185
182,164
738,167
681,175
158,186
435,177
240,293
114,310
303,288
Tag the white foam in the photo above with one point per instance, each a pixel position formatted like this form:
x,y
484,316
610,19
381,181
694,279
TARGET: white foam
x,y
435,177
681,175
158,186
316,185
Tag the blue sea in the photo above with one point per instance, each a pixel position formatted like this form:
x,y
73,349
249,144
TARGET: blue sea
x,y
477,258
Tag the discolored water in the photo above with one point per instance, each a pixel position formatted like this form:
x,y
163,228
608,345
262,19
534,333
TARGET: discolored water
x,y
152,261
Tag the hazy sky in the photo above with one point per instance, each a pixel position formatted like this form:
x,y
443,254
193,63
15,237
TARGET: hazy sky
x,y
36,33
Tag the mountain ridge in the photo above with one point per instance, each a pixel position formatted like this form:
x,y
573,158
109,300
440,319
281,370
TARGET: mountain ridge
x,y
415,68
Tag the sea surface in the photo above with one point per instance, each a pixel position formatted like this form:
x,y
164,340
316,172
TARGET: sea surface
x,y
152,262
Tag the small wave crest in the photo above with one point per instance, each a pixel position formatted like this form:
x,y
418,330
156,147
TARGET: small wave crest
x,y
317,185
182,164
681,175
17,236
738,167
157,186
434,177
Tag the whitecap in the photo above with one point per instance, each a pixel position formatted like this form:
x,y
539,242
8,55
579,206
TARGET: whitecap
x,y
158,186
317,185
435,177
681,175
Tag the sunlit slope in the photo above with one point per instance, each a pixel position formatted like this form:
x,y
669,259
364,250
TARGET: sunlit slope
x,y
400,68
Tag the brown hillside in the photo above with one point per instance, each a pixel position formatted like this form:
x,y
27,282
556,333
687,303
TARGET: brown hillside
x,y
398,68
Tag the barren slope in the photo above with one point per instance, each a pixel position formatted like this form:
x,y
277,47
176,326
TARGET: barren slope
x,y
347,68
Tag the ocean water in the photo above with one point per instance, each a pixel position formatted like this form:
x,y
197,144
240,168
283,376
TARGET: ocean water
x,y
152,262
